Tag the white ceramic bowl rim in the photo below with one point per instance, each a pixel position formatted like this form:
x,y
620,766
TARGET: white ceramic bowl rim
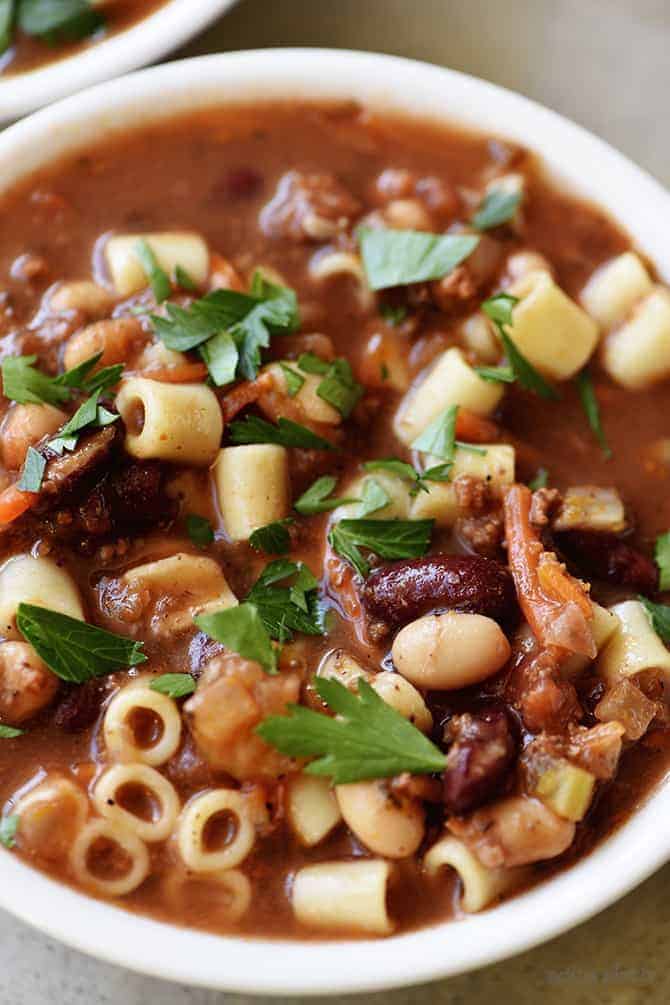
x,y
147,40
640,846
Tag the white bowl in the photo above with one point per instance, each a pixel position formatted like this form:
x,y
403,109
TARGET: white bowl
x,y
586,165
168,28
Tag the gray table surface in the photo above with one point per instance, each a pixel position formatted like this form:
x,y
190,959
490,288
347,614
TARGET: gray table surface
x,y
605,64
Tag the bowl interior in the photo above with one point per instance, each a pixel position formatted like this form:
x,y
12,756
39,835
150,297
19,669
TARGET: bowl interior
x,y
578,161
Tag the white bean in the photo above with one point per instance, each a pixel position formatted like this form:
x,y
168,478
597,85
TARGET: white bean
x,y
391,826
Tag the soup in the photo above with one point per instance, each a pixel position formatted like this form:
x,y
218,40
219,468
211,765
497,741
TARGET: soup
x,y
334,505
32,37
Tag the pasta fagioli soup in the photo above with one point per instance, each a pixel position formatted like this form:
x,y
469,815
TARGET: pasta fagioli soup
x,y
334,522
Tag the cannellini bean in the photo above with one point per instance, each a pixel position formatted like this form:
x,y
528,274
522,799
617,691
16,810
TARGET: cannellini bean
x,y
391,826
404,698
114,338
24,426
82,295
26,684
449,651
514,831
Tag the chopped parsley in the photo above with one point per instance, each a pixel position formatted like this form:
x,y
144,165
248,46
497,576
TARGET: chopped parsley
x,y
365,739
248,319
89,415
587,396
386,538
8,828
286,434
174,685
6,24
338,387
438,473
199,529
393,315
498,206
241,630
33,471
287,599
373,497
662,556
659,615
273,539
293,380
400,257
58,20
499,309
318,499
9,732
439,438
184,280
158,277
23,383
73,649
540,481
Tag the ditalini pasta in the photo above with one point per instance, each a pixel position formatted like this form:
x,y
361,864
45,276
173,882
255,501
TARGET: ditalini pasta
x,y
335,565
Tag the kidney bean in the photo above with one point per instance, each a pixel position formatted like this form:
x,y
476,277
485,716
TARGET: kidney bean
x,y
482,753
399,593
606,556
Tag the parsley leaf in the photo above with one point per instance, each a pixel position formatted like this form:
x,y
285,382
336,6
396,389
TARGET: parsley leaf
x,y
73,649
496,374
221,357
309,362
394,465
286,434
241,630
26,385
89,414
158,277
589,402
33,471
293,380
660,617
400,257
393,315
184,280
315,499
374,497
540,481
288,608
59,20
499,309
338,386
497,207
662,556
199,529
439,438
386,538
6,24
250,319
174,685
9,732
366,739
8,828
273,539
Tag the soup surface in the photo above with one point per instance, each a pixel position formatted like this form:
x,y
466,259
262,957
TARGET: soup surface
x,y
334,461
60,29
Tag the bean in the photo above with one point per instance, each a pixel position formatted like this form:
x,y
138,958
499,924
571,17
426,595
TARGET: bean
x,y
444,652
389,825
404,591
606,556
24,426
480,757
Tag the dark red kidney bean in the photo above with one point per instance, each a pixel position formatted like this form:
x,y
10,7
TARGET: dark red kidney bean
x,y
606,556
483,751
80,707
399,593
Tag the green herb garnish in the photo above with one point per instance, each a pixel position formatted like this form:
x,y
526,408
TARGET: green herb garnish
x,y
293,380
184,280
199,529
174,685
273,539
499,309
540,481
33,471
286,434
89,415
23,383
58,20
399,257
6,24
393,315
9,732
366,738
373,497
439,438
8,828
386,538
662,556
497,207
587,396
74,650
316,498
286,597
158,277
241,630
660,617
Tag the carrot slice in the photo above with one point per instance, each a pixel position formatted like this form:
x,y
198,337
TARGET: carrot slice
x,y
14,502
556,605
473,428
223,275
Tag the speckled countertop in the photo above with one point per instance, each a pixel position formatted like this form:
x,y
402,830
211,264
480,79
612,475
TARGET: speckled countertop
x,y
604,63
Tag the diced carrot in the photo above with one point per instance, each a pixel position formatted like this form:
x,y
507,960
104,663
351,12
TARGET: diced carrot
x,y
14,502
223,275
473,428
556,606
245,394
184,373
